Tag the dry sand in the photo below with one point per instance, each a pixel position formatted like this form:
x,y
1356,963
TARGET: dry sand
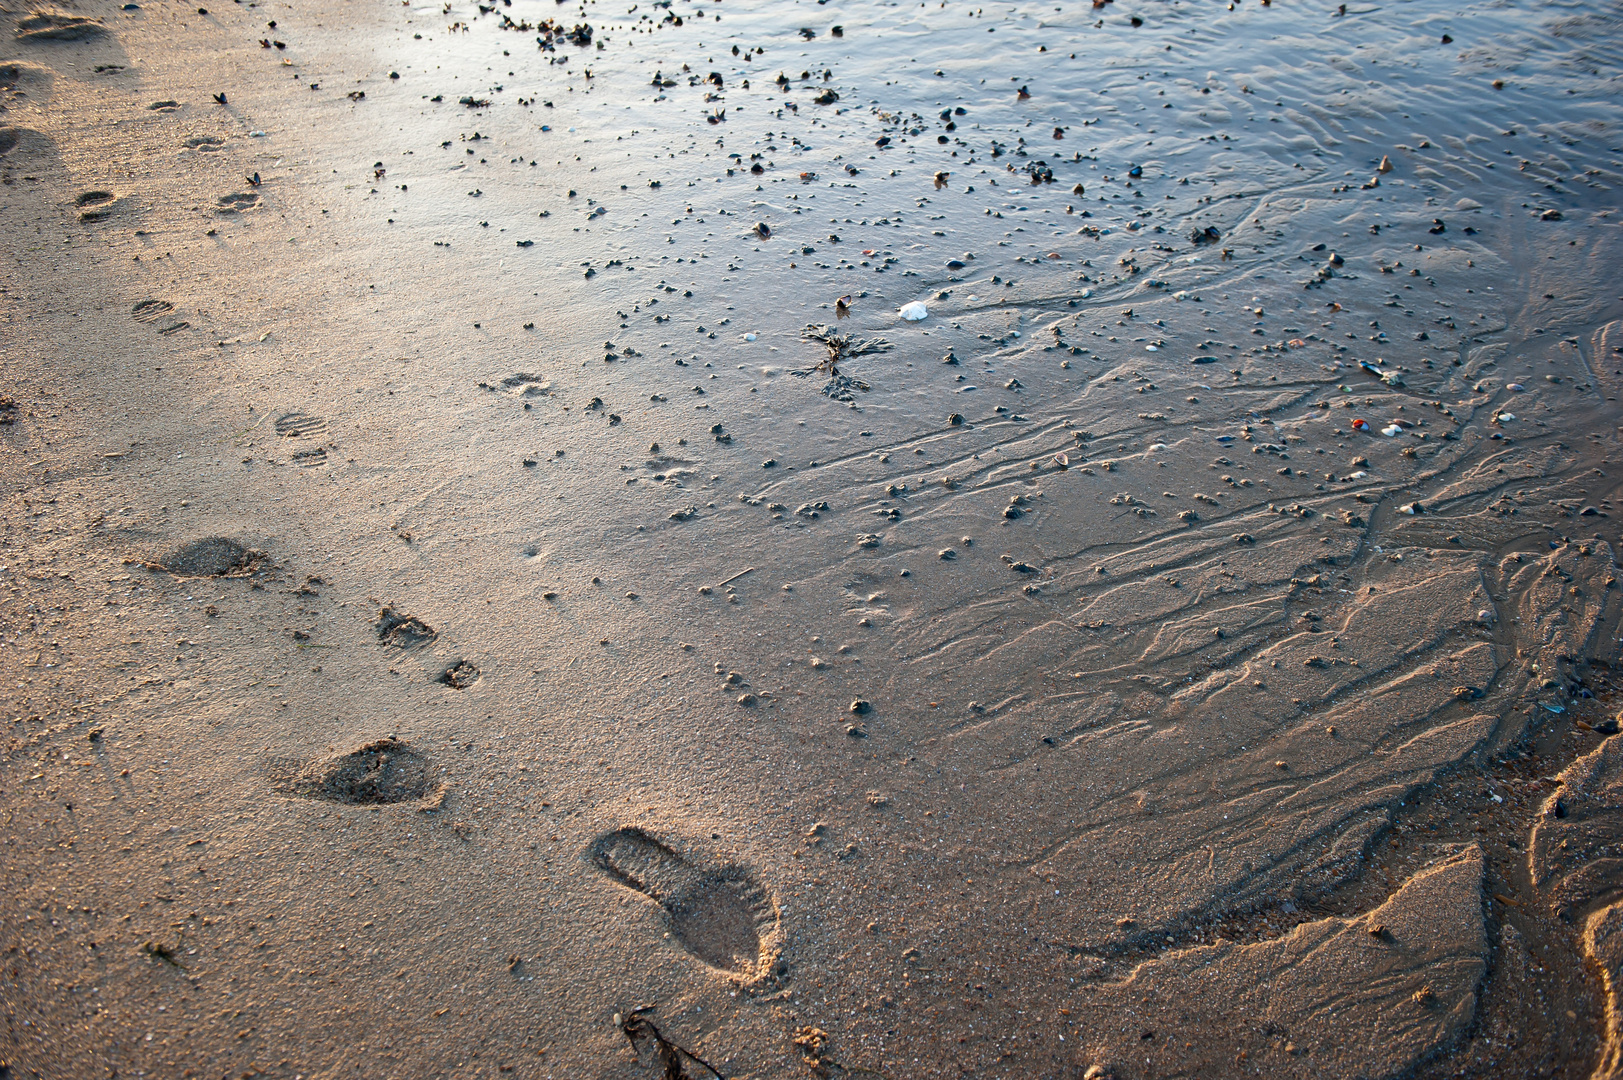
x,y
494,586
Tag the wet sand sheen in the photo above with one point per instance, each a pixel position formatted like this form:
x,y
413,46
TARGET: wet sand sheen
x,y
857,539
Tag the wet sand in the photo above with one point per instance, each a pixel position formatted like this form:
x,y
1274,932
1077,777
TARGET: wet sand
x,y
496,585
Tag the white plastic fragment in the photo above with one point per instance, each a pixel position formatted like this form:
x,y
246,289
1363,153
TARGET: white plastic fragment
x,y
915,311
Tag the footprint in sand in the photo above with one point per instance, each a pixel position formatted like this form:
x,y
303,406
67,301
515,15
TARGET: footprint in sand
x,y
205,143
294,424
384,771
151,311
403,631
528,385
213,556
237,202
148,311
11,138
96,205
18,75
58,26
460,675
165,106
723,915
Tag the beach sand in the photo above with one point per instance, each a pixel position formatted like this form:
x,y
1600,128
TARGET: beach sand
x,y
494,584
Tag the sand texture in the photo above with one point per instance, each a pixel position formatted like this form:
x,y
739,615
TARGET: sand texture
x,y
846,539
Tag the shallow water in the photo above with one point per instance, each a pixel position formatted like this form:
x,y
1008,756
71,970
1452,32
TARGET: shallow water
x,y
1227,507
